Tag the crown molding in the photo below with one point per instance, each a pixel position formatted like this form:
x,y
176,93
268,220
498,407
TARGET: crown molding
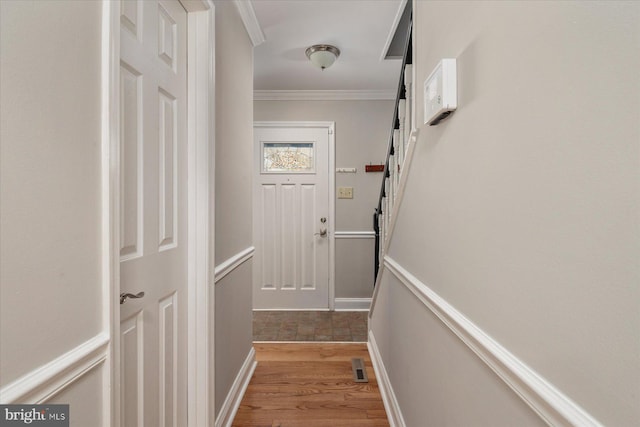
x,y
250,21
323,95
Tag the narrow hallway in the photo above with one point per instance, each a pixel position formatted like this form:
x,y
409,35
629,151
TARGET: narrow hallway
x,y
310,384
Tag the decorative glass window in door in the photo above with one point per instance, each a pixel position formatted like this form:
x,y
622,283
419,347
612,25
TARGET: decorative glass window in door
x,y
288,157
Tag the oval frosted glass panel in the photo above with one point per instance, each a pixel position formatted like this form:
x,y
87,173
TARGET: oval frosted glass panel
x,y
288,157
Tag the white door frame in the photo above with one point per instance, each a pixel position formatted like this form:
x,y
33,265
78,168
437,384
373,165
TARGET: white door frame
x,y
331,127
201,152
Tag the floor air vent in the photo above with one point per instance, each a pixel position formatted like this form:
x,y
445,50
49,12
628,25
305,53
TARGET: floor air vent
x,y
359,373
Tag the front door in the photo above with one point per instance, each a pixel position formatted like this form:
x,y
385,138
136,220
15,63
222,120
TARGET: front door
x,y
291,220
153,213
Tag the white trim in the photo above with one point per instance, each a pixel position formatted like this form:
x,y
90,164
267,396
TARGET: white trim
x,y
332,212
323,95
110,88
393,30
414,80
234,397
394,414
355,234
200,170
232,263
303,124
50,379
250,21
399,194
331,129
404,175
554,407
352,304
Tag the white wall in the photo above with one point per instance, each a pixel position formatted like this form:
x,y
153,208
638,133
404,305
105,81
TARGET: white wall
x,y
233,202
362,137
50,213
521,210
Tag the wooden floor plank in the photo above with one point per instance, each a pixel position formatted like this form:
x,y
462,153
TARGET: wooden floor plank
x,y
316,423
310,385
306,404
310,352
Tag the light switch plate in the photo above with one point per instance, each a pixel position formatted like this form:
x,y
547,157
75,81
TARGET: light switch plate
x,y
345,192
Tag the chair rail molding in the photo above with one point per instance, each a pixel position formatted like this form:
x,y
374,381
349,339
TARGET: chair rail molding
x,y
50,379
355,234
232,263
553,406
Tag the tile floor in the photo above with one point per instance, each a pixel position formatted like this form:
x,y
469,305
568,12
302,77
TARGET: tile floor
x,y
348,326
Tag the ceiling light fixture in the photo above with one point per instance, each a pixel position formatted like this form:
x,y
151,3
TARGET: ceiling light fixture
x,y
322,55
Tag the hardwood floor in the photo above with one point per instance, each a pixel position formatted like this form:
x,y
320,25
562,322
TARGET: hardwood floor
x,y
311,385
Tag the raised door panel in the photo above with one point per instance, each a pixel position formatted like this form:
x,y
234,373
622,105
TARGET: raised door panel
x,y
168,351
131,17
288,235
132,371
131,157
308,236
269,277
167,176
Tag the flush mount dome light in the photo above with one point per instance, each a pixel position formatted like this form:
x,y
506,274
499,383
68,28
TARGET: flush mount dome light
x,y
322,55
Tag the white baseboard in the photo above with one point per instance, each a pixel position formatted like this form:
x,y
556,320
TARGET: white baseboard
x,y
386,390
352,304
553,406
234,397
48,380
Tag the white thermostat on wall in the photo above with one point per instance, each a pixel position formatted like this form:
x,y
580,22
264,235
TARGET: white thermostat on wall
x,y
440,92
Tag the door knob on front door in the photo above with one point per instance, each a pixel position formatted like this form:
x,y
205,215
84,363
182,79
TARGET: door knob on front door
x,y
124,296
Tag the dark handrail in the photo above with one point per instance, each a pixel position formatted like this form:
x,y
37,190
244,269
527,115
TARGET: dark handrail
x,y
395,124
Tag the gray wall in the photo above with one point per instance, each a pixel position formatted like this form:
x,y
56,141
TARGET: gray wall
x,y
437,379
233,202
50,208
362,136
521,211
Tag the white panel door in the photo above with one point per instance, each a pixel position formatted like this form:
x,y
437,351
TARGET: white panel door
x,y
153,213
291,218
